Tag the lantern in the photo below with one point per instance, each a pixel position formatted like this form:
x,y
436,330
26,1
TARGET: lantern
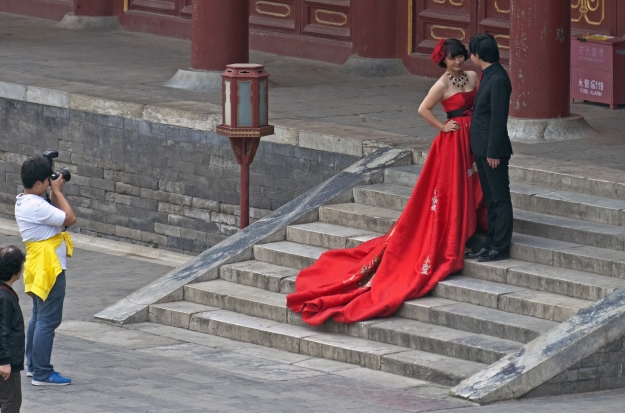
x,y
245,114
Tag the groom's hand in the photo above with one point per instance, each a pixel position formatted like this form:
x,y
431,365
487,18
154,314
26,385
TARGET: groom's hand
x,y
494,163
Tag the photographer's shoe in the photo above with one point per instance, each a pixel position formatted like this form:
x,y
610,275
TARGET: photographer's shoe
x,y
55,379
29,373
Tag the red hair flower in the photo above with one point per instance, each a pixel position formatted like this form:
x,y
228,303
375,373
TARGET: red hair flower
x,y
438,54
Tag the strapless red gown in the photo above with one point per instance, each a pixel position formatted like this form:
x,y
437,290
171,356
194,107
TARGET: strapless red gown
x,y
425,245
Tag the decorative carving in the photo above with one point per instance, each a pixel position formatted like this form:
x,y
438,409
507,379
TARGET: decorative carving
x,y
330,14
503,11
286,7
439,27
589,6
452,2
502,36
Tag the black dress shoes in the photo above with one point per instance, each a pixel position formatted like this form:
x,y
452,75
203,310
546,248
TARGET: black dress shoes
x,y
493,255
474,254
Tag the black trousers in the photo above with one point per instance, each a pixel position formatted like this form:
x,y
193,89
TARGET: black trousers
x,y
496,189
11,393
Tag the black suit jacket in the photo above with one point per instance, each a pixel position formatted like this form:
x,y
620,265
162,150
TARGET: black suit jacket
x,y
489,123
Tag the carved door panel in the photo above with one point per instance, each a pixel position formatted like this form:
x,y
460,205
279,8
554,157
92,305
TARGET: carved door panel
x,y
595,16
435,19
326,18
494,19
276,15
319,18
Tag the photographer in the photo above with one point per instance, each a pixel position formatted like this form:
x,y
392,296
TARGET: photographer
x,y
11,331
41,225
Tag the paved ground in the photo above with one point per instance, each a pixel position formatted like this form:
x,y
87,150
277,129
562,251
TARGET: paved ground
x,y
133,66
152,368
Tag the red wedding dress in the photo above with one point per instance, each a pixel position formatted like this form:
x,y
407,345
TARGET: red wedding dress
x,y
423,247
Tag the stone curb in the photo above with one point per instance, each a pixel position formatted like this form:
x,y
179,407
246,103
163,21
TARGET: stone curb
x,y
550,354
168,258
238,247
346,140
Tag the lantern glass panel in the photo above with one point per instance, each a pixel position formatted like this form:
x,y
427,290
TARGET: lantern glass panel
x,y
227,104
262,108
244,106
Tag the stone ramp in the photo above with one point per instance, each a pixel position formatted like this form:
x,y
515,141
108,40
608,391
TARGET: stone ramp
x,y
567,254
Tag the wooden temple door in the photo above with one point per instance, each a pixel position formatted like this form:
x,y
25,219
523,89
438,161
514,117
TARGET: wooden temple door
x,y
318,18
433,19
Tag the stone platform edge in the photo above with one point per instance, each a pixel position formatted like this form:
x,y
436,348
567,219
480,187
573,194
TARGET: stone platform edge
x,y
585,353
342,139
238,247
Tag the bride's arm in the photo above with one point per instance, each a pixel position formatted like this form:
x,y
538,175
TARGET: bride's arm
x,y
434,96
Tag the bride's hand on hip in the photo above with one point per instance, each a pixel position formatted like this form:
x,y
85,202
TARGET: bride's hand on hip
x,y
451,126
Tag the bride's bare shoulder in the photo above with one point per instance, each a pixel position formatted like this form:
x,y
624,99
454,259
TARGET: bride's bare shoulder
x,y
471,74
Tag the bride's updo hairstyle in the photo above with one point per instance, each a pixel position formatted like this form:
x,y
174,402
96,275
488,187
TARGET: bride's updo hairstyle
x,y
448,48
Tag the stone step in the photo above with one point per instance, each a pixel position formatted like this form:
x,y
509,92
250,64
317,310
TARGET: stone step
x,y
330,236
288,254
540,277
524,247
272,306
569,230
384,195
260,274
403,175
526,197
568,204
563,254
238,298
441,340
474,318
565,291
377,355
509,298
360,216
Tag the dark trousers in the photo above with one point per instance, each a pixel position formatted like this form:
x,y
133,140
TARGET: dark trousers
x,y
11,393
496,189
46,317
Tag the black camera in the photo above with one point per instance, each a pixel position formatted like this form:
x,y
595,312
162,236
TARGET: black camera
x,y
65,173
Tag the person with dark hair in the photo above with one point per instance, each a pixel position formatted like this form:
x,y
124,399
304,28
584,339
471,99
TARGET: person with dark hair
x,y
490,143
41,224
11,331
427,242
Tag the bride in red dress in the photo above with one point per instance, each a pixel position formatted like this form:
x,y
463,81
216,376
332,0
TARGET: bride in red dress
x,y
427,242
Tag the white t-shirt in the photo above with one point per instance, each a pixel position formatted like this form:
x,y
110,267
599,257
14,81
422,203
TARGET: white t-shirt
x,y
37,220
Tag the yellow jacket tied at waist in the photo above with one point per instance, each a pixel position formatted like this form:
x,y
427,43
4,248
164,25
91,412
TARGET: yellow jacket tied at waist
x,y
42,265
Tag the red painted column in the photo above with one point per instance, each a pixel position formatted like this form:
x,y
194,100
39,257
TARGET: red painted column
x,y
540,49
219,34
93,8
375,34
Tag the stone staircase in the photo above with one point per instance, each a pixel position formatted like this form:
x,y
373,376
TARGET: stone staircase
x,y
567,253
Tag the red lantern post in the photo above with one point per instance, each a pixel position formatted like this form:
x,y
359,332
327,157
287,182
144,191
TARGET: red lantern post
x,y
245,119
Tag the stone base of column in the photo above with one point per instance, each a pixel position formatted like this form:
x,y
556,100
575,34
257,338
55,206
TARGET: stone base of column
x,y
542,130
89,23
196,80
362,66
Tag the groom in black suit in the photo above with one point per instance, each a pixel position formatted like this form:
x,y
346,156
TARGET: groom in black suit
x,y
491,146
